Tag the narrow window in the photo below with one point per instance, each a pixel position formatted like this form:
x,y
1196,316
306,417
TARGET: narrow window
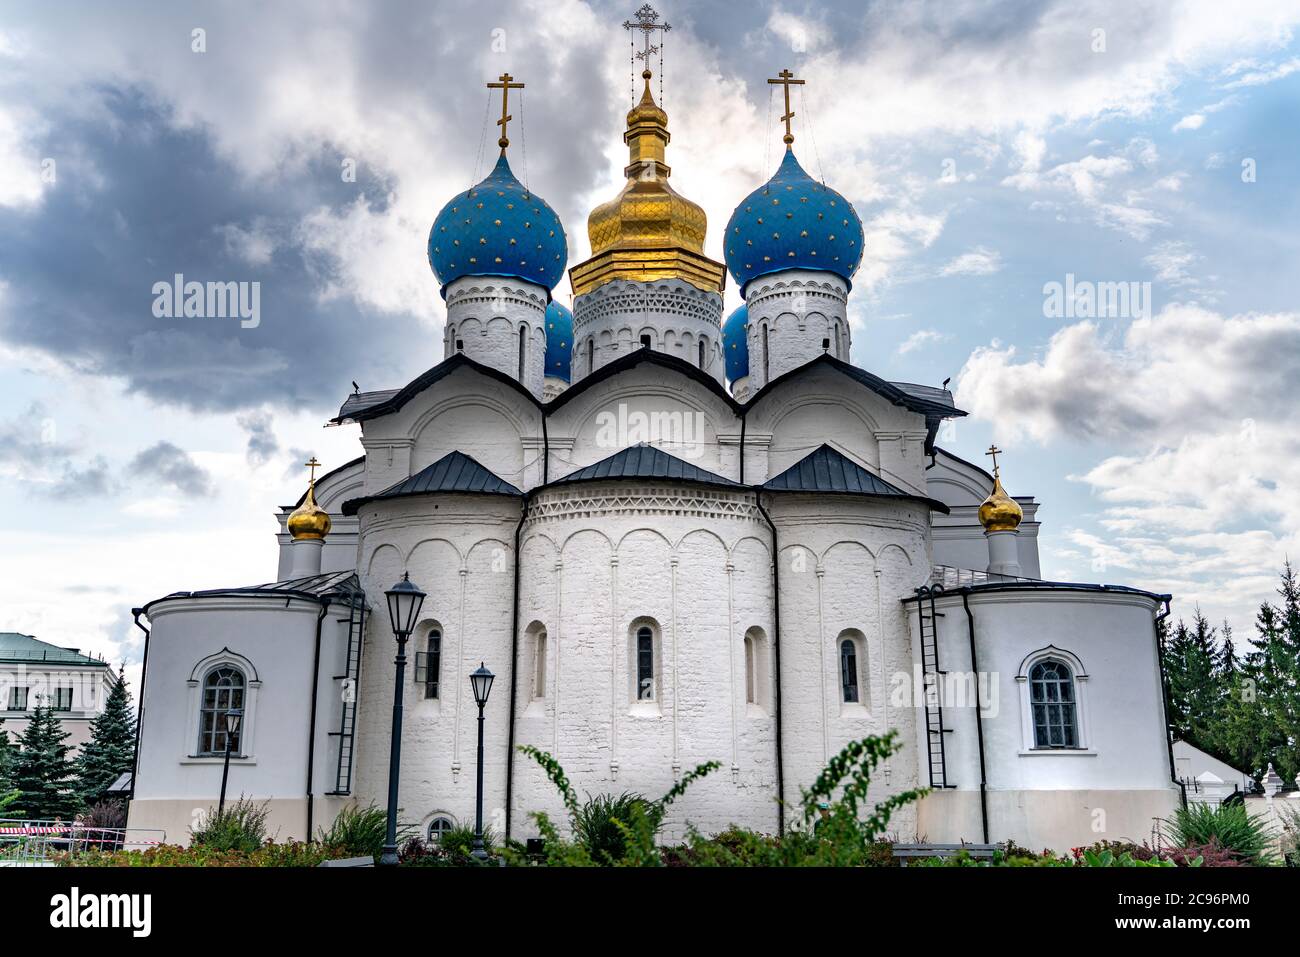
x,y
460,345
17,698
701,350
766,366
223,692
62,699
751,678
523,350
849,670
591,356
428,664
1051,696
645,664
539,666
645,342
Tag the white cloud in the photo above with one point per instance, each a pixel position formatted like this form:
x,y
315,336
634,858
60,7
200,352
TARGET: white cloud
x,y
980,261
1193,121
920,338
1171,260
1269,75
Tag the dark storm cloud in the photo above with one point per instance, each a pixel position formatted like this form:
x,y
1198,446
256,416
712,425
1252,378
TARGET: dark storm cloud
x,y
145,202
262,443
172,465
33,456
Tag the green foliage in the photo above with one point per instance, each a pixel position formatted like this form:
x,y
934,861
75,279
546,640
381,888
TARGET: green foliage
x,y
42,771
458,842
7,800
359,831
1230,826
110,751
608,830
292,854
239,827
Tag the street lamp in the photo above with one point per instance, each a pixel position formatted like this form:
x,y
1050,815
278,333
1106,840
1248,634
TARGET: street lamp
x,y
481,682
233,718
404,601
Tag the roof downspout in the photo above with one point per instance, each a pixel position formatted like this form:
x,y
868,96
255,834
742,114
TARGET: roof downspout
x,y
743,420
311,724
979,715
776,661
514,668
1164,699
139,714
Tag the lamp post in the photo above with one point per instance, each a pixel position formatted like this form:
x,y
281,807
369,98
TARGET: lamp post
x,y
481,682
233,717
404,601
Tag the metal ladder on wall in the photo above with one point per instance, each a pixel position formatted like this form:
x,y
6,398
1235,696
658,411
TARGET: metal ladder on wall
x,y
931,679
352,675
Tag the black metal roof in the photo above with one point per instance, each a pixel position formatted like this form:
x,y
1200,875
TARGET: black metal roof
x,y
828,470
638,356
927,400
1036,584
454,472
368,405
321,478
646,461
332,585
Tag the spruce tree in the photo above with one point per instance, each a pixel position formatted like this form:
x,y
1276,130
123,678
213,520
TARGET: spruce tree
x,y
8,793
111,749
42,771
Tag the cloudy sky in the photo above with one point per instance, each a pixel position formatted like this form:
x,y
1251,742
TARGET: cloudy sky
x,y
990,148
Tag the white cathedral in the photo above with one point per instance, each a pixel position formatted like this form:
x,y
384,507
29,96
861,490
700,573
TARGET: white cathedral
x,y
674,539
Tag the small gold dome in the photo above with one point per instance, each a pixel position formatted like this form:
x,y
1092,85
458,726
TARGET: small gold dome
x,y
1000,512
309,520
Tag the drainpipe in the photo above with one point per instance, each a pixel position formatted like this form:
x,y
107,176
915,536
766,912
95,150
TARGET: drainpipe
x,y
1164,688
776,661
979,715
139,714
514,665
311,724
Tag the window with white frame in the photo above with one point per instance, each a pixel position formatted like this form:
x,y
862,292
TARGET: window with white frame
x,y
439,826
645,668
756,670
17,698
645,663
539,663
62,699
222,692
1053,704
428,663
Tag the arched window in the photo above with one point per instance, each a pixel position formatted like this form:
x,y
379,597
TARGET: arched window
x,y
645,341
223,692
539,665
766,365
645,664
1053,704
591,356
700,347
849,671
439,826
523,349
751,679
428,663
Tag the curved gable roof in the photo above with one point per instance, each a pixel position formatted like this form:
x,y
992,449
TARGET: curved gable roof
x,y
454,472
927,400
828,470
644,355
361,406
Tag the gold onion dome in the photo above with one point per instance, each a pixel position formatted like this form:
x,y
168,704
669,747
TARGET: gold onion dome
x,y
309,520
649,231
1000,512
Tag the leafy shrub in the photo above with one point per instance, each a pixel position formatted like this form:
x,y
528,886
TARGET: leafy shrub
x,y
238,827
458,842
1230,826
602,823
293,854
359,831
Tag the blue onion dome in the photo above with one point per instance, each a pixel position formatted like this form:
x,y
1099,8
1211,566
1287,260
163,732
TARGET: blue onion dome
x,y
498,228
559,340
793,222
735,344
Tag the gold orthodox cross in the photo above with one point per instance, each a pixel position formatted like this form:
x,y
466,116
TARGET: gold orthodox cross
x,y
786,79
647,22
313,465
505,84
995,452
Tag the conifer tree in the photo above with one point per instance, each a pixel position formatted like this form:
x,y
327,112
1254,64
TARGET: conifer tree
x,y
110,751
42,771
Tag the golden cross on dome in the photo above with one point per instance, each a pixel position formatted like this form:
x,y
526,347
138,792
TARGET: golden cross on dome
x,y
786,79
647,22
505,83
995,452
313,465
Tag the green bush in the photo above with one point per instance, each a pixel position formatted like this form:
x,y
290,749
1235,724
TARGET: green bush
x,y
359,831
1230,826
240,826
293,854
